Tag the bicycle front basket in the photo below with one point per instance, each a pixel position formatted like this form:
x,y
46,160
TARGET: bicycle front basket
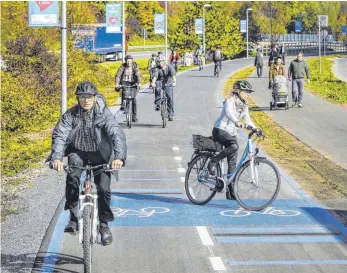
x,y
202,143
129,92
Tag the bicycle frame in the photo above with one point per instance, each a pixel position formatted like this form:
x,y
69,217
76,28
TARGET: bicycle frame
x,y
86,185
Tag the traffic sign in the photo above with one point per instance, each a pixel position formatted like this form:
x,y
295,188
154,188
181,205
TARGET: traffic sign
x,y
243,26
344,30
323,20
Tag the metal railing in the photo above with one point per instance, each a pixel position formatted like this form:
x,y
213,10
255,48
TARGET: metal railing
x,y
146,47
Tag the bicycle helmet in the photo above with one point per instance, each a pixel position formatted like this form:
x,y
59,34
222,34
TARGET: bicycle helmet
x,y
242,86
86,88
160,59
127,57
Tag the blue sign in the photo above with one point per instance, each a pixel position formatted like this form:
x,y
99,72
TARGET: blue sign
x,y
43,14
159,23
298,27
243,26
344,30
113,18
199,26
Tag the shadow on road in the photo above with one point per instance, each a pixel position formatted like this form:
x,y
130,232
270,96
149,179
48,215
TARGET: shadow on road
x,y
125,126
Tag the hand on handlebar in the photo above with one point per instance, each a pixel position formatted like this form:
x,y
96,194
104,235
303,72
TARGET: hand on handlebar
x,y
117,164
57,165
239,124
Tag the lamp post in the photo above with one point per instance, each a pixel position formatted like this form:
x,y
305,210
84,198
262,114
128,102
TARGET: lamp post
x,y
247,27
203,16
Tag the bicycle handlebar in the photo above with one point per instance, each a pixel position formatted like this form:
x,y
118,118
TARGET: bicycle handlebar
x,y
256,131
126,86
105,167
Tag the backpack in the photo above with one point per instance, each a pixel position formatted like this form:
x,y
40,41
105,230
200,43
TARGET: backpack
x,y
218,55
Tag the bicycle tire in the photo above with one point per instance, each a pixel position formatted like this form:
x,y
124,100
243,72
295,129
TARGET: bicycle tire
x,y
237,187
130,113
87,247
163,112
205,157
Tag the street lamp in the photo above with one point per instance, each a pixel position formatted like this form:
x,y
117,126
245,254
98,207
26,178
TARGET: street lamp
x,y
247,28
203,16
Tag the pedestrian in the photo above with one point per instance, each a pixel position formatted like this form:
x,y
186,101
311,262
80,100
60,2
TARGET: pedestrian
x,y
259,63
273,55
296,72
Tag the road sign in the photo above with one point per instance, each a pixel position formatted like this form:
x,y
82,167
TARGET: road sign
x,y
198,26
243,26
344,30
113,18
43,14
159,23
323,20
298,27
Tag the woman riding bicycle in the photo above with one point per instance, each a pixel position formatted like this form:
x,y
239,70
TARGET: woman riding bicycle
x,y
235,109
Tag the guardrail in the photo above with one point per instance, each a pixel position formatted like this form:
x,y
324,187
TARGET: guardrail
x,y
146,47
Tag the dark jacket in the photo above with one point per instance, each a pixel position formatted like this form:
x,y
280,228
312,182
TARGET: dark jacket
x,y
217,55
120,74
258,59
165,76
297,70
272,58
108,133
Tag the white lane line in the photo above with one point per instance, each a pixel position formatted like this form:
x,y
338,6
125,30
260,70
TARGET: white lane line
x,y
183,179
175,148
204,236
217,264
178,158
181,170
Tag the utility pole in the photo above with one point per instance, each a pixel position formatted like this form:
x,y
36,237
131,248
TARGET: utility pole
x,y
166,15
63,60
123,30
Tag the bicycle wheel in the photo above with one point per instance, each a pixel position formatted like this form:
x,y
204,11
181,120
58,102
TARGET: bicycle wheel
x,y
257,197
163,112
200,192
87,247
130,113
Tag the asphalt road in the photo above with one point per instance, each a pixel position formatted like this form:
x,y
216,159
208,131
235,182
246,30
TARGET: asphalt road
x,y
320,124
158,230
339,68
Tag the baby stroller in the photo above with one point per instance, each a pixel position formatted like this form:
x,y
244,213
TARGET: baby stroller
x,y
279,93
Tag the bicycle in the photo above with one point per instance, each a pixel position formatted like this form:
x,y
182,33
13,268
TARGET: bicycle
x,y
217,69
163,107
129,94
250,169
87,210
200,63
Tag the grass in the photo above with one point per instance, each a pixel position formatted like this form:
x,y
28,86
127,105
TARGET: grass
x,y
317,175
325,84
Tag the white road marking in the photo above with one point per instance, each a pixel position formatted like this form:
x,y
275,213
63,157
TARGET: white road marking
x,y
217,264
181,170
178,158
183,179
175,148
204,236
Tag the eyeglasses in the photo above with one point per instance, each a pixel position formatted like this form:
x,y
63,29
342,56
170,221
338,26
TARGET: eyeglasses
x,y
85,97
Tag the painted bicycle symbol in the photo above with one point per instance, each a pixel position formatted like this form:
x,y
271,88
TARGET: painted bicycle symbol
x,y
144,212
240,212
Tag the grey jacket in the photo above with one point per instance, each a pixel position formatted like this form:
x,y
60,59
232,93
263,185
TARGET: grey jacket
x,y
297,70
259,59
108,133
234,110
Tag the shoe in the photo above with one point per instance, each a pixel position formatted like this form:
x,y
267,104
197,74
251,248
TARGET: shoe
x,y
135,119
171,118
72,227
157,107
106,235
122,108
212,168
300,105
293,104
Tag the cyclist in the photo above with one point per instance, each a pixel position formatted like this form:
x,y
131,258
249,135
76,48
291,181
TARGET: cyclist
x,y
128,74
217,58
152,64
88,132
174,59
164,79
200,56
235,109
276,69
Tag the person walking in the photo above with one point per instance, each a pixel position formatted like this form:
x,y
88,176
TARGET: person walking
x,y
298,68
259,63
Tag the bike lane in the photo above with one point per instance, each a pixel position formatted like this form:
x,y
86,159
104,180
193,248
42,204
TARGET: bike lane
x,y
158,230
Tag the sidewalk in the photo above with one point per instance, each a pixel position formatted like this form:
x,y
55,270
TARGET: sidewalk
x,y
339,68
319,124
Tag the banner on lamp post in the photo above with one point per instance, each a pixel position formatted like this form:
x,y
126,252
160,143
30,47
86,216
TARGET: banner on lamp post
x,y
343,30
243,26
113,18
199,26
159,23
298,27
43,14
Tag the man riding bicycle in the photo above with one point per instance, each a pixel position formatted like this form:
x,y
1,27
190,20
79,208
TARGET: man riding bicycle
x,y
88,132
164,79
200,56
128,74
217,58
235,109
152,64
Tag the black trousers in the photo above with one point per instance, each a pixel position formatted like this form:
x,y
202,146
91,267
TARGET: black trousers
x,y
101,180
231,147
